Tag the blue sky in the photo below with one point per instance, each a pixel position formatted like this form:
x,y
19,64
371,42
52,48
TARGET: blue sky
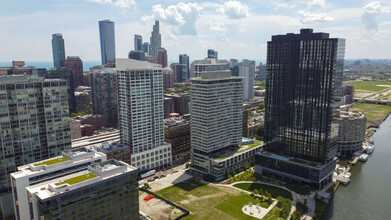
x,y
236,29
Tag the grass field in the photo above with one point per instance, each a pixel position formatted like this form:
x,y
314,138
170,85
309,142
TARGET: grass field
x,y
275,191
375,113
211,201
372,86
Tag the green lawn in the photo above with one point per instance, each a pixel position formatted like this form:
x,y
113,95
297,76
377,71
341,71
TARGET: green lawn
x,y
232,204
275,191
373,112
77,179
53,161
371,86
273,214
209,201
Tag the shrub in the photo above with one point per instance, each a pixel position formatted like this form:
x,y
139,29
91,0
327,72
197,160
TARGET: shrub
x,y
187,165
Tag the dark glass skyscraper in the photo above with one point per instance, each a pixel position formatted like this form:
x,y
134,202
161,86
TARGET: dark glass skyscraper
x,y
58,50
303,94
184,59
138,42
107,41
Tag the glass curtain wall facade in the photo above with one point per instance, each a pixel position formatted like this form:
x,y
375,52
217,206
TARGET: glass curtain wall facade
x,y
303,95
107,41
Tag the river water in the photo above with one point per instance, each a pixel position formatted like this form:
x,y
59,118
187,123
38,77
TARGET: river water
x,y
368,196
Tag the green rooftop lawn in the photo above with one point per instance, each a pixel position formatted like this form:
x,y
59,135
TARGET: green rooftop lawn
x,y
255,144
77,179
232,203
275,191
371,86
53,161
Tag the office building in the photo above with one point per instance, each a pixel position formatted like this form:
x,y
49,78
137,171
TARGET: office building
x,y
107,41
168,107
61,73
261,72
70,161
162,57
74,125
199,66
168,78
180,72
103,81
103,190
83,101
234,61
184,59
138,42
177,133
17,68
140,95
246,70
114,150
75,64
34,116
347,94
137,55
212,54
351,134
181,102
303,95
155,42
216,110
58,50
146,47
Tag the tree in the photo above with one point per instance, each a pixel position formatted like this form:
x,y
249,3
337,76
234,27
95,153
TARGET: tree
x,y
256,192
260,192
260,130
261,105
187,165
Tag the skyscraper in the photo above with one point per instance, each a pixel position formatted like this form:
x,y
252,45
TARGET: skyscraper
x,y
246,69
138,42
216,110
34,117
141,111
162,57
180,73
184,59
303,94
103,81
208,64
155,41
136,55
213,54
58,50
75,64
107,41
146,47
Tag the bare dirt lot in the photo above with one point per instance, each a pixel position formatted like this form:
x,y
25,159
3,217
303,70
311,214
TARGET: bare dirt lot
x,y
158,209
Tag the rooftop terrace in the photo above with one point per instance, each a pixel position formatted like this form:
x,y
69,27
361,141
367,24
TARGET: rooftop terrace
x,y
231,151
52,161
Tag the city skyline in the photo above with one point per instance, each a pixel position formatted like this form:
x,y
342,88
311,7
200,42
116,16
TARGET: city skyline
x,y
237,29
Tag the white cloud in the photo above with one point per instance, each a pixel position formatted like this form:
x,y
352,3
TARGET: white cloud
x,y
182,15
319,3
220,29
308,17
234,9
369,13
293,3
118,3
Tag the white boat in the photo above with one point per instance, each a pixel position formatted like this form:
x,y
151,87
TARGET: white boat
x,y
369,149
348,175
363,157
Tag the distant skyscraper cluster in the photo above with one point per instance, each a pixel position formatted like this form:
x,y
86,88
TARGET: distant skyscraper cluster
x,y
138,42
155,42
